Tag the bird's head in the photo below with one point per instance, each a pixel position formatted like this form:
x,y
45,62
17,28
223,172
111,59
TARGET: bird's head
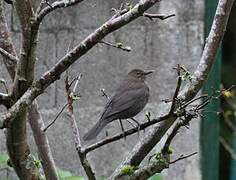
x,y
138,74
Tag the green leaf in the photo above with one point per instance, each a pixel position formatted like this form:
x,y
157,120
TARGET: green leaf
x,y
3,159
128,169
75,178
119,45
157,176
63,174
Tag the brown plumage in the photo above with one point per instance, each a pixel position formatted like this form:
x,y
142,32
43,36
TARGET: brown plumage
x,y
127,101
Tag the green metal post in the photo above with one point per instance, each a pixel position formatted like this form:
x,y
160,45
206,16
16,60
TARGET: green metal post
x,y
211,122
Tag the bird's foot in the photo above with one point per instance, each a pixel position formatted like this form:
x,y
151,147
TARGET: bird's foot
x,y
122,129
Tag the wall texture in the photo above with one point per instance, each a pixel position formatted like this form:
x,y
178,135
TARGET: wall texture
x,y
157,45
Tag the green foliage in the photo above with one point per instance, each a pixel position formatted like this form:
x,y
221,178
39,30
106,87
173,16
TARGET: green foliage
x,y
130,6
119,45
67,175
148,115
75,96
185,74
160,158
170,150
157,176
128,169
3,160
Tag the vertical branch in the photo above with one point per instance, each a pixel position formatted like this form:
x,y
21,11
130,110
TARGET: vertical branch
x,y
41,140
83,158
17,145
6,43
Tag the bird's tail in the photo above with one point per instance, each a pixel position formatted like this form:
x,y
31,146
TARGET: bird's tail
x,y
96,129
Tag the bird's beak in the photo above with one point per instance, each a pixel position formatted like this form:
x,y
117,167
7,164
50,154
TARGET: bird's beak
x,y
148,72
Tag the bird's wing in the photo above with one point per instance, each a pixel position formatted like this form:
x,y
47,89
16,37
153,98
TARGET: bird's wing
x,y
123,100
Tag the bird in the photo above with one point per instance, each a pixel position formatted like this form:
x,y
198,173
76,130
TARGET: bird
x,y
127,101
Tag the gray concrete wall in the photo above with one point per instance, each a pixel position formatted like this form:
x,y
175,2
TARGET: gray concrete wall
x,y
157,45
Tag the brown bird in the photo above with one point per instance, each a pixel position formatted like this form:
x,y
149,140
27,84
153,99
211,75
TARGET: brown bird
x,y
127,101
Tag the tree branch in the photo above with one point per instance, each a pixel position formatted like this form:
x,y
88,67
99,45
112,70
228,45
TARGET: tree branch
x,y
55,5
12,59
41,140
7,48
83,159
140,151
157,16
127,133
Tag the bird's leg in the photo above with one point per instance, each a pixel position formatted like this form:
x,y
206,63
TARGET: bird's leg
x,y
107,134
138,124
130,123
122,128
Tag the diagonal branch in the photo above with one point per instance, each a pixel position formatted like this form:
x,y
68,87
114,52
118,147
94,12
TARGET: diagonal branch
x,y
158,16
51,7
212,44
7,48
41,140
12,59
127,133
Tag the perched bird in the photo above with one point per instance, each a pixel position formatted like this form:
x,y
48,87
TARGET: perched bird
x,y
129,99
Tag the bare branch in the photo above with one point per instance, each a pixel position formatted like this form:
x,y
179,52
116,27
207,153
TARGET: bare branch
x,y
118,46
51,7
127,133
6,45
210,49
54,120
183,157
12,59
41,140
83,159
158,16
173,105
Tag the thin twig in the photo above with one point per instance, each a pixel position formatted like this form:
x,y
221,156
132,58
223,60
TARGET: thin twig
x,y
174,100
51,123
37,124
158,16
9,56
118,46
126,133
183,157
194,99
104,93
